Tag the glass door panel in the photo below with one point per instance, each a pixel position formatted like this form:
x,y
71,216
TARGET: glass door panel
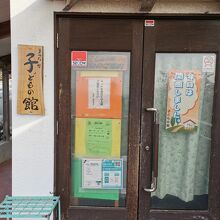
x,y
99,121
183,94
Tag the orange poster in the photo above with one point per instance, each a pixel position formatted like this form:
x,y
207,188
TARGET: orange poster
x,y
183,100
99,94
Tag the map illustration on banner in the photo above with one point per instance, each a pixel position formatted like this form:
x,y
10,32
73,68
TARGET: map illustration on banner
x,y
183,100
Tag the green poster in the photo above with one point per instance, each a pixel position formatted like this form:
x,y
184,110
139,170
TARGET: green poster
x,y
79,192
98,137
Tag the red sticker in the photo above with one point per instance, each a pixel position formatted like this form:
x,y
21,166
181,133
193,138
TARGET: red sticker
x,y
79,58
149,23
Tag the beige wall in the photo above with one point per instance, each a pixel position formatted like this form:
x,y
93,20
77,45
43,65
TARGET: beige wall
x,y
161,6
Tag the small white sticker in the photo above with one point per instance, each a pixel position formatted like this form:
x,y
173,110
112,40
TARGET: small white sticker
x,y
149,23
208,63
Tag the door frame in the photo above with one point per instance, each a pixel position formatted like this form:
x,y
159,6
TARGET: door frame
x,y
58,115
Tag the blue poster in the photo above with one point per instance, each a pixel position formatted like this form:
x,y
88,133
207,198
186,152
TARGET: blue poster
x,y
112,174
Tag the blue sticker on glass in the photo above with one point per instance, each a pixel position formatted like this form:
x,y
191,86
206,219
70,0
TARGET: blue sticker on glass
x,y
112,174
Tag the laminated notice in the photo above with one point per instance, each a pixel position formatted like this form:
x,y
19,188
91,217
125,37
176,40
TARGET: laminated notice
x,y
91,173
112,177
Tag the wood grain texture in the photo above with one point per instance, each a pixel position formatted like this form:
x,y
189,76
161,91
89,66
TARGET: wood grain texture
x,y
4,29
104,32
30,80
179,35
97,34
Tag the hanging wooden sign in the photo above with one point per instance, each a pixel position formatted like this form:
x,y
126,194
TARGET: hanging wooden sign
x,y
30,80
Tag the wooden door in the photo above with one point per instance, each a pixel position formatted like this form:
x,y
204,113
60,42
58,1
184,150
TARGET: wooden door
x,y
98,94
149,94
180,178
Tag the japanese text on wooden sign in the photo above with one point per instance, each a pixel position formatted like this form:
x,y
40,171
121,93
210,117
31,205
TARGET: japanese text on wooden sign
x,y
30,80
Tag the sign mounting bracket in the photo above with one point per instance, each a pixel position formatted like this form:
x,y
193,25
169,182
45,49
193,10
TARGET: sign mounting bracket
x,y
147,5
70,4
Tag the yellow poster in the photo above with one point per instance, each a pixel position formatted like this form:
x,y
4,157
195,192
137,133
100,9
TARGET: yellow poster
x,y
183,100
97,137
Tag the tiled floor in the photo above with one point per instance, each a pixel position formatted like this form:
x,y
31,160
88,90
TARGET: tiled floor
x,y
5,179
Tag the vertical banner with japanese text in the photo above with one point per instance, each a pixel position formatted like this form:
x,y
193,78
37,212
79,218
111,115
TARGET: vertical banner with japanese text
x,y
30,80
183,100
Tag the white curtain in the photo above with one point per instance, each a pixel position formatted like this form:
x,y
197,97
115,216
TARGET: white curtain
x,y
183,156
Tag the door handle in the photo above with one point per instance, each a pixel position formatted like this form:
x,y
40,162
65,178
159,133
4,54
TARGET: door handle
x,y
154,171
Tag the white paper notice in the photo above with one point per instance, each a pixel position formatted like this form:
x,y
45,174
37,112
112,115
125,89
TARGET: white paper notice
x,y
99,93
91,173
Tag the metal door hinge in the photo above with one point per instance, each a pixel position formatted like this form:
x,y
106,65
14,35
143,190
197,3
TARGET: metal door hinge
x,y
57,127
57,40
